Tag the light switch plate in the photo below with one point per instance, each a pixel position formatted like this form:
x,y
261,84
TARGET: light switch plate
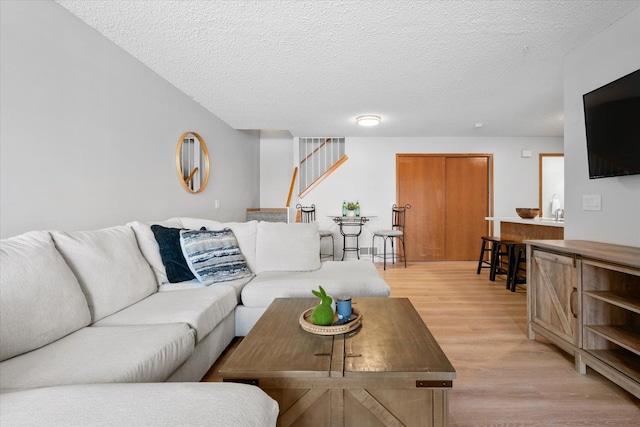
x,y
592,202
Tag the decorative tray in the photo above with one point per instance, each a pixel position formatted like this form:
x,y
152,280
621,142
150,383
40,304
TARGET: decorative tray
x,y
305,322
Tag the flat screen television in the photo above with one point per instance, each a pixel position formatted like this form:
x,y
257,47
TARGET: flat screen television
x,y
612,121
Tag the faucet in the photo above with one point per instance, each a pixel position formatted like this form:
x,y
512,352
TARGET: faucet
x,y
559,213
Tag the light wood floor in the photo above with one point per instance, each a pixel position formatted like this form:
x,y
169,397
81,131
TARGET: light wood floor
x,y
504,379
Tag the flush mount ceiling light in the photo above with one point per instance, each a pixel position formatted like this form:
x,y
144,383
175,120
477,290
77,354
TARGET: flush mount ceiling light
x,y
368,120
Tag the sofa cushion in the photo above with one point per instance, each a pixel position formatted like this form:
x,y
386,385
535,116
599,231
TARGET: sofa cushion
x,y
162,405
175,264
287,247
201,308
181,286
338,278
245,233
237,285
40,298
148,353
111,270
213,256
149,245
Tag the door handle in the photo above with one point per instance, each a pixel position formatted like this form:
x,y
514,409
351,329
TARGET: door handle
x,y
573,300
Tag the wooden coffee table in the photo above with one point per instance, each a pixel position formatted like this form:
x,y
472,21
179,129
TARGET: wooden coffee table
x,y
389,372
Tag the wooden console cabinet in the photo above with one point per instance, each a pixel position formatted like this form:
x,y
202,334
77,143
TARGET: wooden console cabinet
x,y
584,297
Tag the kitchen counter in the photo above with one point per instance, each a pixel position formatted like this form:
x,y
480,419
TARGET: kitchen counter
x,y
519,229
535,221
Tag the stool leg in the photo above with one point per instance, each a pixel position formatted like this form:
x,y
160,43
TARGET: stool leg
x,y
344,245
514,273
522,259
495,250
384,252
510,265
333,249
519,258
511,285
404,254
393,251
484,242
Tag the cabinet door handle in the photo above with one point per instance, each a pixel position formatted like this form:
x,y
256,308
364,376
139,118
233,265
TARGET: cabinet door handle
x,y
573,299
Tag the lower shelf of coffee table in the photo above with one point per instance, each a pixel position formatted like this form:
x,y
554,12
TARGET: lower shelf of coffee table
x,y
357,402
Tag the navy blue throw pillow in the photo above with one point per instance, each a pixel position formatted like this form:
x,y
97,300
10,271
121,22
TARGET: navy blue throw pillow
x,y
169,241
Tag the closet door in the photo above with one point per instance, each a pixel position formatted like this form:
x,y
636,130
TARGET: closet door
x,y
467,201
449,197
420,181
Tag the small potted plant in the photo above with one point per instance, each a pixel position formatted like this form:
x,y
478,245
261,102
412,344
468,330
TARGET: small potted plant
x,y
351,209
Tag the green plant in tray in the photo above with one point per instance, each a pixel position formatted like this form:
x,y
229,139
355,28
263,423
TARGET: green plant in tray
x,y
322,315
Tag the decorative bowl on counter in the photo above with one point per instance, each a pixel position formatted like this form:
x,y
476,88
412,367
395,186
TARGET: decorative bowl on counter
x,y
527,213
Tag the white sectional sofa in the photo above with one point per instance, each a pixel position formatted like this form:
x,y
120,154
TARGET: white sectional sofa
x,y
81,313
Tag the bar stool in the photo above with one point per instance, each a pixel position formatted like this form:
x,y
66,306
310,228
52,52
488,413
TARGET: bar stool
x,y
488,245
519,266
396,232
502,259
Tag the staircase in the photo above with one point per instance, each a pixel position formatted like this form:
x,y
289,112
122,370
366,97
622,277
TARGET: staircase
x,y
319,157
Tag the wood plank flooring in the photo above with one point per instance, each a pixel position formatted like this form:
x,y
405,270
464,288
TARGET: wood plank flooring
x,y
504,379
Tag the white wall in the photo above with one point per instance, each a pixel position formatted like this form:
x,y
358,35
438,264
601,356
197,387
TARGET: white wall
x,y
612,54
88,134
276,160
370,174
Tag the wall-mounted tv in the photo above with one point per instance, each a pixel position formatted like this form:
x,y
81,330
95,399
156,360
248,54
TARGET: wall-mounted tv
x,y
612,120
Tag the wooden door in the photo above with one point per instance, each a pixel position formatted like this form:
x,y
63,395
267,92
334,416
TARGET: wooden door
x,y
467,200
421,183
449,196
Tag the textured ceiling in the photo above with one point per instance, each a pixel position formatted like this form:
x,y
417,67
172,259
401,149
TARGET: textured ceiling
x,y
429,68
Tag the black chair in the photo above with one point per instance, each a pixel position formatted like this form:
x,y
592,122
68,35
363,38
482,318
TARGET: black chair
x,y
396,232
308,214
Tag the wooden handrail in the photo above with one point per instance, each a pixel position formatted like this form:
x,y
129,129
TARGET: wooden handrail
x,y
293,182
314,151
190,177
323,176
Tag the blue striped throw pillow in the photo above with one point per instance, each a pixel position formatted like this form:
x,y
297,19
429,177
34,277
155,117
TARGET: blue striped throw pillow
x,y
213,255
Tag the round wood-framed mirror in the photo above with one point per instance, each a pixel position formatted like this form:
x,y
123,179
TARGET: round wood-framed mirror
x,y
192,162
